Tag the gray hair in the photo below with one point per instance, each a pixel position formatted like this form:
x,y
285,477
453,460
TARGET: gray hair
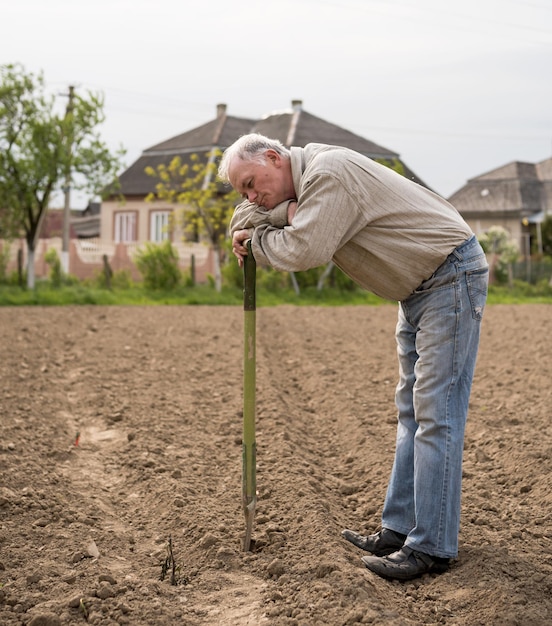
x,y
250,148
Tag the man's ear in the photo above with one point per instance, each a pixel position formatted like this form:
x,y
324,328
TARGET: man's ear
x,y
272,156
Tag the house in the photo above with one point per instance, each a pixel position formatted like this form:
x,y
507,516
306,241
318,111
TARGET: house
x,y
133,221
516,196
86,224
113,231
127,221
138,221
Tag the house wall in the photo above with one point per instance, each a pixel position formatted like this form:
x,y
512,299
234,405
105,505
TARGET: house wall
x,y
512,225
143,211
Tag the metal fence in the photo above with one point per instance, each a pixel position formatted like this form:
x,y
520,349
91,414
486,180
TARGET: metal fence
x,y
533,270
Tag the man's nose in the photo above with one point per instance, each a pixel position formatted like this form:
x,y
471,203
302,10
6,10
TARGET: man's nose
x,y
251,195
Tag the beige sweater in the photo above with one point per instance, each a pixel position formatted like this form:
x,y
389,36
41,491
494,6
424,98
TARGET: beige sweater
x,y
385,232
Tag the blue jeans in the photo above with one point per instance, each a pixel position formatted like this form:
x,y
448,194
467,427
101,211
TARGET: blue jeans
x,y
437,341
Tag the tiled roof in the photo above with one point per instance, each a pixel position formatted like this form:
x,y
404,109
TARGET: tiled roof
x,y
300,128
294,127
516,189
222,131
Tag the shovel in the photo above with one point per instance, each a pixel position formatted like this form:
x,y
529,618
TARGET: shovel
x,y
249,484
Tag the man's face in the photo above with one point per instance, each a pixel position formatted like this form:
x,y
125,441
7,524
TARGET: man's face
x,y
265,184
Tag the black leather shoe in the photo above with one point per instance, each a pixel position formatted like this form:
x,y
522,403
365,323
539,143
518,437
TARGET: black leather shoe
x,y
382,543
405,564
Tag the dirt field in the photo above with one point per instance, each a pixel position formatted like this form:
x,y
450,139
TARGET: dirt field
x,y
156,394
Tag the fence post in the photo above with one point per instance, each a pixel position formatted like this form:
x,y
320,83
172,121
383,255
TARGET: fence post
x,y
108,272
193,270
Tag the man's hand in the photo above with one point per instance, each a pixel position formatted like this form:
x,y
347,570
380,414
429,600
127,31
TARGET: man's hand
x,y
238,244
239,237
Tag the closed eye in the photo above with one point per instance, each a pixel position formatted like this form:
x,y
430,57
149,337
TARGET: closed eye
x,y
247,185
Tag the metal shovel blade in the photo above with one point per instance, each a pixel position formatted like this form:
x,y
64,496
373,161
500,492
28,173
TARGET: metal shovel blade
x,y
249,482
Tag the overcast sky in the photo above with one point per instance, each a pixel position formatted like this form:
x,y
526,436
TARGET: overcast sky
x,y
456,88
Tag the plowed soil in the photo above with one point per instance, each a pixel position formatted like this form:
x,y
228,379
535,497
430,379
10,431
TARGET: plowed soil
x,y
121,432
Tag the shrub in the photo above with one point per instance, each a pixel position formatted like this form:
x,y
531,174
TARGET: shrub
x,y
158,264
4,259
120,279
52,259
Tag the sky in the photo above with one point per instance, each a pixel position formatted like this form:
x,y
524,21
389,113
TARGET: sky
x,y
456,88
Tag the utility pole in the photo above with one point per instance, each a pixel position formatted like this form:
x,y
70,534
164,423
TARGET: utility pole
x,y
67,186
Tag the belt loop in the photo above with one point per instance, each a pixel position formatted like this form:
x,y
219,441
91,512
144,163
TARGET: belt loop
x,y
457,254
456,250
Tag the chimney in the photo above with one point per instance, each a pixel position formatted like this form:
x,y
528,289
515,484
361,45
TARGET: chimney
x,y
297,106
221,110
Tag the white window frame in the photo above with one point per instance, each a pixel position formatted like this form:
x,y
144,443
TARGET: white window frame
x,y
125,227
159,226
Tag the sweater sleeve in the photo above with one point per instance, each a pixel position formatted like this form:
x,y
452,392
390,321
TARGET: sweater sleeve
x,y
327,217
248,215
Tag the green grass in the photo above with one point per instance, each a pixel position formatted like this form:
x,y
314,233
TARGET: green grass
x,y
521,293
45,295
77,294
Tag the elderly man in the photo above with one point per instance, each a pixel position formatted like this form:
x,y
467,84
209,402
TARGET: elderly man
x,y
306,206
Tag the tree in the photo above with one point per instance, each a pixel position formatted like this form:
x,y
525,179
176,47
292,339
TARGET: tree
x,y
502,251
41,150
206,209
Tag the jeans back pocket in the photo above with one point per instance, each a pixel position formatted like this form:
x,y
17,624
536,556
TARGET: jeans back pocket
x,y
477,282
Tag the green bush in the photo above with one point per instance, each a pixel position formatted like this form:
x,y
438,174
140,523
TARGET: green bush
x,y
14,278
56,274
187,279
121,279
271,279
158,264
4,259
232,274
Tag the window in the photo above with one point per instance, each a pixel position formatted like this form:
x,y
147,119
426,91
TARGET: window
x,y
159,226
125,227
